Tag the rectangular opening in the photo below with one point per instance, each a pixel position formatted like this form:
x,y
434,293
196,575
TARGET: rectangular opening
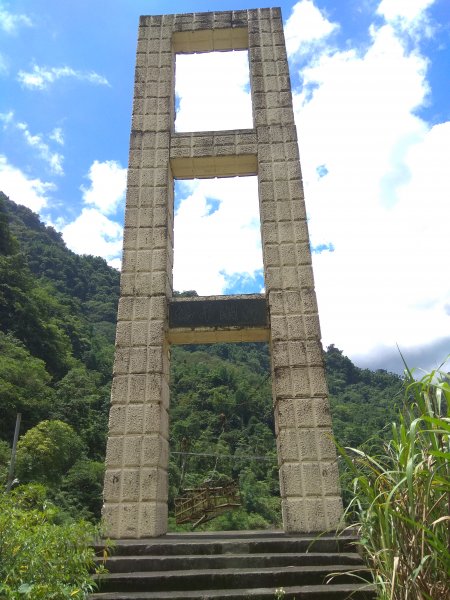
x,y
212,91
217,237
222,430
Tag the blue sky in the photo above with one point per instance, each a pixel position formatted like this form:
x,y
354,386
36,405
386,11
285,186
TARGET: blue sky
x,y
371,97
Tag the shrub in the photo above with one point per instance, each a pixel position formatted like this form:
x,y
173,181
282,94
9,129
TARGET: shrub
x,y
40,556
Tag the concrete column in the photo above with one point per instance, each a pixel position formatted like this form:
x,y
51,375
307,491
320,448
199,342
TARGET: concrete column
x,y
309,484
135,491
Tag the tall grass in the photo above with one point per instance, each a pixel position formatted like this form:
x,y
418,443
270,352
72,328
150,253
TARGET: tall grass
x,y
401,497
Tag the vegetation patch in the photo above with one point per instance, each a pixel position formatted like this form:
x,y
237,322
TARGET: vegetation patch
x,y
42,554
400,497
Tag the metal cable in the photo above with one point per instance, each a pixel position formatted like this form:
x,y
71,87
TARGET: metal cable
x,y
248,457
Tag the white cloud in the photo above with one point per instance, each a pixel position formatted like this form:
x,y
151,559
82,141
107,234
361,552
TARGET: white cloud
x,y
41,78
216,240
32,193
403,10
57,136
4,67
108,186
7,118
10,22
305,26
213,91
93,233
53,159
116,263
375,188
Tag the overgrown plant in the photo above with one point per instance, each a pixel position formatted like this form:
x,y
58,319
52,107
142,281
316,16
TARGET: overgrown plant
x,y
401,498
42,556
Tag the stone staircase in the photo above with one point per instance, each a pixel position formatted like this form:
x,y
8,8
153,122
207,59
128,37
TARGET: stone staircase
x,y
244,565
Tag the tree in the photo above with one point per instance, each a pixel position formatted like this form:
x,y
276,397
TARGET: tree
x,y
46,452
24,387
82,490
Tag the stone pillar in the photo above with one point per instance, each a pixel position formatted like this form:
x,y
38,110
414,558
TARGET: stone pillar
x,y
309,484
135,491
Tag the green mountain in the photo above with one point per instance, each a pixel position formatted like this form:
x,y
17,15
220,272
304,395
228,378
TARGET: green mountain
x,y
57,320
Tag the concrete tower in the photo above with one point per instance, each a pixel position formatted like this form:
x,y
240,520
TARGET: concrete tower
x,y
150,319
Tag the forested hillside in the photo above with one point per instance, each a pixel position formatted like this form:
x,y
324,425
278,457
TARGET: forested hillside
x,y
57,316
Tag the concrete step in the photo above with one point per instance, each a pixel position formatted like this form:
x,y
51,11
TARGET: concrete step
x,y
346,591
128,564
200,579
232,565
261,543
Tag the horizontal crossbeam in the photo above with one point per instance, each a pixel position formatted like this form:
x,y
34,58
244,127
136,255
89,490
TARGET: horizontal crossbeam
x,y
209,319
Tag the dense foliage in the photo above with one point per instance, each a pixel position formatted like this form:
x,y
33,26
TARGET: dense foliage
x,y
57,320
43,557
401,496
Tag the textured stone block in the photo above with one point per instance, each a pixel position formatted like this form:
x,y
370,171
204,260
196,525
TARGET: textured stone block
x,y
300,381
114,451
117,415
156,420
142,284
132,449
153,519
157,389
304,413
279,328
285,413
296,329
318,381
322,415
123,333
326,445
134,418
315,513
294,515
131,487
139,333
283,382
138,360
280,354
309,452
112,486
141,308
297,353
155,451
333,511
312,479
330,479
287,445
130,238
129,520
291,480
153,485
119,389
111,517
312,327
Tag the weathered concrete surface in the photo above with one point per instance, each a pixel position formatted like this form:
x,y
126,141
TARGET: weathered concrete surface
x,y
235,565
137,453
